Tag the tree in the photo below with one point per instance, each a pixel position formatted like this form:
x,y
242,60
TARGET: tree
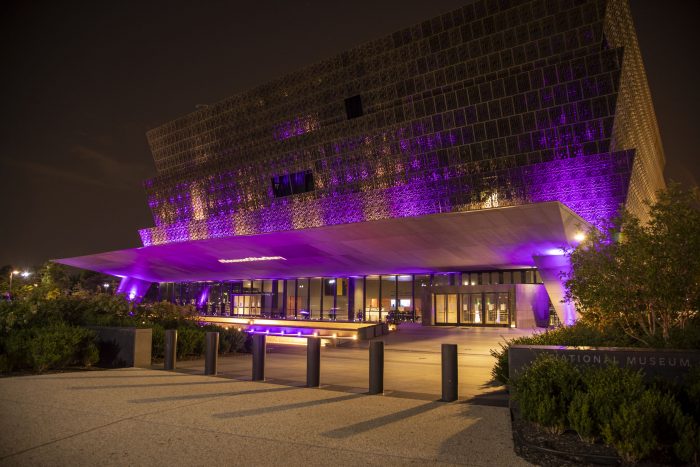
x,y
643,277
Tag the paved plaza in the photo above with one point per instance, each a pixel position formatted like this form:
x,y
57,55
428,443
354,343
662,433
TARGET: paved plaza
x,y
152,417
412,365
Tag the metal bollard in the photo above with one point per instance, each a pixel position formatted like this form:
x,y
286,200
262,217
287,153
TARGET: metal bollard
x,y
258,357
313,362
211,358
376,367
449,372
170,349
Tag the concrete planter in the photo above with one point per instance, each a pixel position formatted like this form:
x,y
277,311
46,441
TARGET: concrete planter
x,y
124,347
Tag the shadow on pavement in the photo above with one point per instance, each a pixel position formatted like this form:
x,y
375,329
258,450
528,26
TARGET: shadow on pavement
x,y
347,431
136,386
281,408
204,396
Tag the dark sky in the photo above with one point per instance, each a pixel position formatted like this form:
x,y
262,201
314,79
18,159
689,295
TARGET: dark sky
x,y
82,82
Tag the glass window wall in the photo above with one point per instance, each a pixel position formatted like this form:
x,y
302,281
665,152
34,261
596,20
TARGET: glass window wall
x,y
359,298
388,297
372,299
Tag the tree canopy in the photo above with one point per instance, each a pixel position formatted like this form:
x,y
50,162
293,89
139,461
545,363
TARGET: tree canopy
x,y
642,277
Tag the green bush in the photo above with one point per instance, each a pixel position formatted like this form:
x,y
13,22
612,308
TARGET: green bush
x,y
190,342
579,334
158,341
604,390
640,420
231,340
652,422
545,390
45,348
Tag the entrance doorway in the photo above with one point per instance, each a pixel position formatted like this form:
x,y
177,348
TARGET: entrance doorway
x,y
446,308
478,309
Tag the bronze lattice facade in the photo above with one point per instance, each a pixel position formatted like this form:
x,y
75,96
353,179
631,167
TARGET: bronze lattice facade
x,y
498,103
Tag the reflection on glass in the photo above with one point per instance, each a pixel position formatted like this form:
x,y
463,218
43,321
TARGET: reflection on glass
x,y
329,286
422,305
503,315
315,292
341,299
372,300
440,315
291,298
359,287
388,296
302,299
477,308
491,302
452,308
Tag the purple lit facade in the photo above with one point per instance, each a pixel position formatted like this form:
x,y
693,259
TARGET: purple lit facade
x,y
494,105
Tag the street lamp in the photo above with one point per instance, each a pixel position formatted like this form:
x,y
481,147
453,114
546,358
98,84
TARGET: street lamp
x,y
24,274
12,274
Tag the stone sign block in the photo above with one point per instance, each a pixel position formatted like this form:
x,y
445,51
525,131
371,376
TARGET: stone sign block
x,y
669,364
124,347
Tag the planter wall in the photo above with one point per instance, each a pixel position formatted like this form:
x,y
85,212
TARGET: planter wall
x,y
124,347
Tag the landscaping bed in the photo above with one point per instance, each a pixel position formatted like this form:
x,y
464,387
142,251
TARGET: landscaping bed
x,y
537,445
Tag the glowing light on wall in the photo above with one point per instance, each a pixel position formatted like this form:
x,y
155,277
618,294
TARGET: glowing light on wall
x,y
134,289
198,201
296,127
252,258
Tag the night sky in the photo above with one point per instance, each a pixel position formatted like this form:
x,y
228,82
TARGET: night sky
x,y
84,81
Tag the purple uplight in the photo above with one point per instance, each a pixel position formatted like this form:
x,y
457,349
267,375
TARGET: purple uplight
x,y
134,289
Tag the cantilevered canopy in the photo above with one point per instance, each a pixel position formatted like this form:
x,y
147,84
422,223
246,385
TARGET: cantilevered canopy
x,y
490,238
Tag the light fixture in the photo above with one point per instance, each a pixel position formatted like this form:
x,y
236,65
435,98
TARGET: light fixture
x,y
580,236
251,259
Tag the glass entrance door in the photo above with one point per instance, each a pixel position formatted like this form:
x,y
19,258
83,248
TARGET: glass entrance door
x,y
446,308
497,310
490,308
472,308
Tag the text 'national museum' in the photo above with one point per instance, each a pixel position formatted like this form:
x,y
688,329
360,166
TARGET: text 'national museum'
x,y
435,174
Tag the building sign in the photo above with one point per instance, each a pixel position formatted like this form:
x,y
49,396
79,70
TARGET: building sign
x,y
668,364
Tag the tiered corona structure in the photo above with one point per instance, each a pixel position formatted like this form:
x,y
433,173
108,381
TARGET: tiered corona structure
x,y
436,173
494,104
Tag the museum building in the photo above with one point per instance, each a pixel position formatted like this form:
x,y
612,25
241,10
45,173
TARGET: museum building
x,y
433,174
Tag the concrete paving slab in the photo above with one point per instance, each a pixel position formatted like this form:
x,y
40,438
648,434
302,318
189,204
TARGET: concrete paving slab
x,y
180,419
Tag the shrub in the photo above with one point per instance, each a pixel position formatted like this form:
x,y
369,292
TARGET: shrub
x,y
158,341
650,423
604,390
544,391
579,334
190,341
230,340
52,347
